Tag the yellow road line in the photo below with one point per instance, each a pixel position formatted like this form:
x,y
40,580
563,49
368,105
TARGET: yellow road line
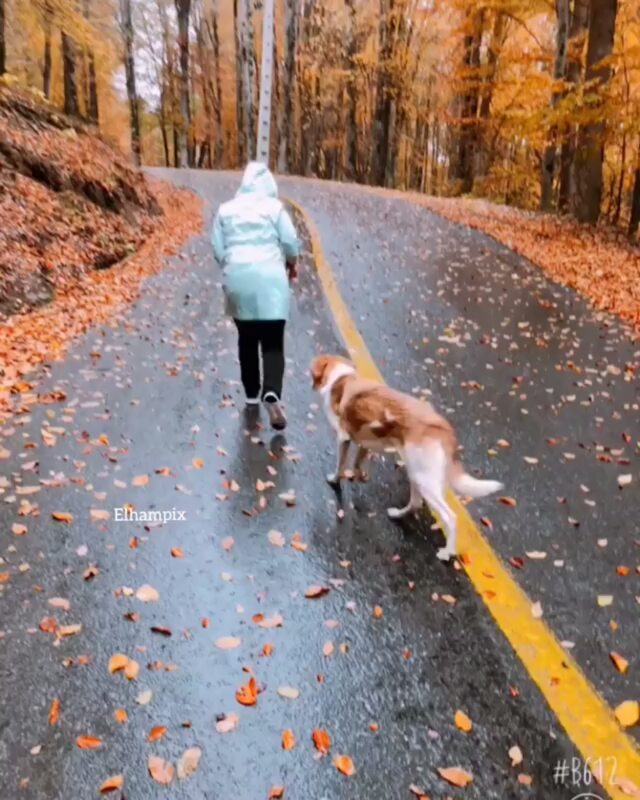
x,y
587,719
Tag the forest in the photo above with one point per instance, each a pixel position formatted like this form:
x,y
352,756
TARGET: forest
x,y
523,102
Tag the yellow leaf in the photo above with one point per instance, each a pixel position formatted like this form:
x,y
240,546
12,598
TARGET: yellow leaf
x,y
621,663
117,662
344,764
628,713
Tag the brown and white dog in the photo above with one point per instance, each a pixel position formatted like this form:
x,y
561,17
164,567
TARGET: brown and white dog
x,y
378,418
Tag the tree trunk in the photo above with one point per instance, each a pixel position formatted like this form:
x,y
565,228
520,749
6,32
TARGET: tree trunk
x,y
623,169
465,155
219,145
183,10
579,25
46,62
3,50
351,158
238,16
126,28
285,107
547,175
634,221
589,156
69,76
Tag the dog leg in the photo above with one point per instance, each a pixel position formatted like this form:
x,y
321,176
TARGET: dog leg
x,y
359,473
415,501
333,478
427,468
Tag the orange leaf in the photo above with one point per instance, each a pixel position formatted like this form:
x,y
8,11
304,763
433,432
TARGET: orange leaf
x,y
247,695
276,792
117,662
455,776
377,612
160,770
267,649
131,670
177,552
288,740
344,764
156,733
621,663
316,591
198,463
112,784
54,711
140,480
321,740
62,516
462,721
88,742
120,715
508,501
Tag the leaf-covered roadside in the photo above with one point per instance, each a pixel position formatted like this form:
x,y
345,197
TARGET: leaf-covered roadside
x,y
44,334
598,263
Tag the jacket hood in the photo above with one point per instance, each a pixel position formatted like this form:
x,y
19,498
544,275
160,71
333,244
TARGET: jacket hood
x,y
257,179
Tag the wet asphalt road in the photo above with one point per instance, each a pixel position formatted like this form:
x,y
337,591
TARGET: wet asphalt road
x,y
159,391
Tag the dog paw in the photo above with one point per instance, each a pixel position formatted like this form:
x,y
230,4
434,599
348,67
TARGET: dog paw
x,y
444,554
333,479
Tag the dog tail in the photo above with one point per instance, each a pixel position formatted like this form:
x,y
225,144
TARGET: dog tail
x,y
468,485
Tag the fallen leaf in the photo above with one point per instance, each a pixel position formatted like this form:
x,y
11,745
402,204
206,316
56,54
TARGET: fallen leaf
x,y
247,694
536,610
628,713
54,711
228,723
147,594
120,715
188,762
132,669
377,612
60,602
515,754
344,764
62,516
99,514
117,662
455,776
144,698
508,501
624,480
160,770
274,621
198,463
18,530
621,663
228,642
276,538
69,630
462,721
157,732
316,591
227,543
327,649
140,480
288,739
321,740
177,552
288,692
112,784
605,600
88,742
525,780
276,792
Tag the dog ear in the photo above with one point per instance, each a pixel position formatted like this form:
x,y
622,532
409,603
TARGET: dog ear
x,y
318,369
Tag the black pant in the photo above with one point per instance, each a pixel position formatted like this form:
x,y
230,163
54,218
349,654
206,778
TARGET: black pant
x,y
266,336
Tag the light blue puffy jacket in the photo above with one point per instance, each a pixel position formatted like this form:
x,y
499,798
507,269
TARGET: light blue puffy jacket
x,y
252,236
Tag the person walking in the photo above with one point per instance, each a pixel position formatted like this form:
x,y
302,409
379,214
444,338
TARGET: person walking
x,y
255,242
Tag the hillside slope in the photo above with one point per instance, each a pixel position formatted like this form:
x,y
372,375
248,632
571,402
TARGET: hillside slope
x,y
80,228
68,202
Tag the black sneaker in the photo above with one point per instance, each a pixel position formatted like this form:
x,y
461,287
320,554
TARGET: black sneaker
x,y
274,410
